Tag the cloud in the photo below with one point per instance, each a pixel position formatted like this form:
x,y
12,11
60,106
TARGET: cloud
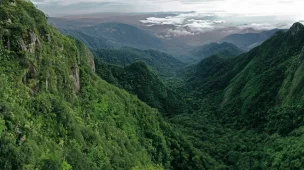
x,y
273,7
194,23
208,15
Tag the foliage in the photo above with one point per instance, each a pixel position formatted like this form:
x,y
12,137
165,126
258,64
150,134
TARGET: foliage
x,y
248,109
56,113
138,79
222,50
164,64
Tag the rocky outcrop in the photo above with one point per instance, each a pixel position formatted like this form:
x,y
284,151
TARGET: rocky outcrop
x,y
75,78
91,61
33,40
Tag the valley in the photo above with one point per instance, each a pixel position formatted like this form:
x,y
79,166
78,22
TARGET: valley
x,y
113,95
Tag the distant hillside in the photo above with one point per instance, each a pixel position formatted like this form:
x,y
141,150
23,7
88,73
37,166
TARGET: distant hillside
x,y
247,88
223,50
138,79
249,40
162,63
115,35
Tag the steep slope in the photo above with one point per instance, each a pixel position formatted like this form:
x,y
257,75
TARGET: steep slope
x,y
55,113
222,50
249,40
250,87
271,78
249,109
115,35
164,64
138,79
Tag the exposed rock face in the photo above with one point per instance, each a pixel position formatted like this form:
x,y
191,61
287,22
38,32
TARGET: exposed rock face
x,y
33,41
91,61
75,77
22,44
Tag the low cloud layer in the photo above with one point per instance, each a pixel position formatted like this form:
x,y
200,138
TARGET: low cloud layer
x,y
194,23
207,15
244,7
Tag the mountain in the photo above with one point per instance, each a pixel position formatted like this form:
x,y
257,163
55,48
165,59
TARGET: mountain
x,y
138,79
253,83
115,35
249,40
56,113
252,103
223,50
164,64
90,41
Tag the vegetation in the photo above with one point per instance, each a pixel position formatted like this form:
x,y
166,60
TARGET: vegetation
x,y
138,79
222,50
165,65
255,99
56,113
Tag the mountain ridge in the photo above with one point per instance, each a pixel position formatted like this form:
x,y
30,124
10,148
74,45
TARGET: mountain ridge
x,y
115,35
223,49
248,41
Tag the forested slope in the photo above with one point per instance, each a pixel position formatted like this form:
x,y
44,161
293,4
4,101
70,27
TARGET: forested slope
x,y
140,80
249,109
164,64
56,113
223,50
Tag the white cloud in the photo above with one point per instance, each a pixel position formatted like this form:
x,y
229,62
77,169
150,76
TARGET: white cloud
x,y
244,7
209,14
197,22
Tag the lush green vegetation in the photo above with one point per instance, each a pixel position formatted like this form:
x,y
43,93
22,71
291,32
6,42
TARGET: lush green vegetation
x,y
222,50
165,65
56,113
254,99
138,79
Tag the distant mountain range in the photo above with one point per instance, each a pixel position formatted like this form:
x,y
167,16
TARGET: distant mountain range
x,y
223,50
115,35
164,64
248,41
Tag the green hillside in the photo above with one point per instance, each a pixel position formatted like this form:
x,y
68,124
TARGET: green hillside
x,y
164,64
55,113
249,85
249,109
243,112
222,50
138,79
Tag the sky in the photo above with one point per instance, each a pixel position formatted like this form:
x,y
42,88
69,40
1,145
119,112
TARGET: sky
x,y
192,16
292,8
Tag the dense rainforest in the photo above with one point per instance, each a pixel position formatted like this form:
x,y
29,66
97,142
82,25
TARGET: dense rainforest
x,y
56,113
129,109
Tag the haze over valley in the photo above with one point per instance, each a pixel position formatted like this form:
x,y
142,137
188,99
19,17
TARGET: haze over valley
x,y
151,84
